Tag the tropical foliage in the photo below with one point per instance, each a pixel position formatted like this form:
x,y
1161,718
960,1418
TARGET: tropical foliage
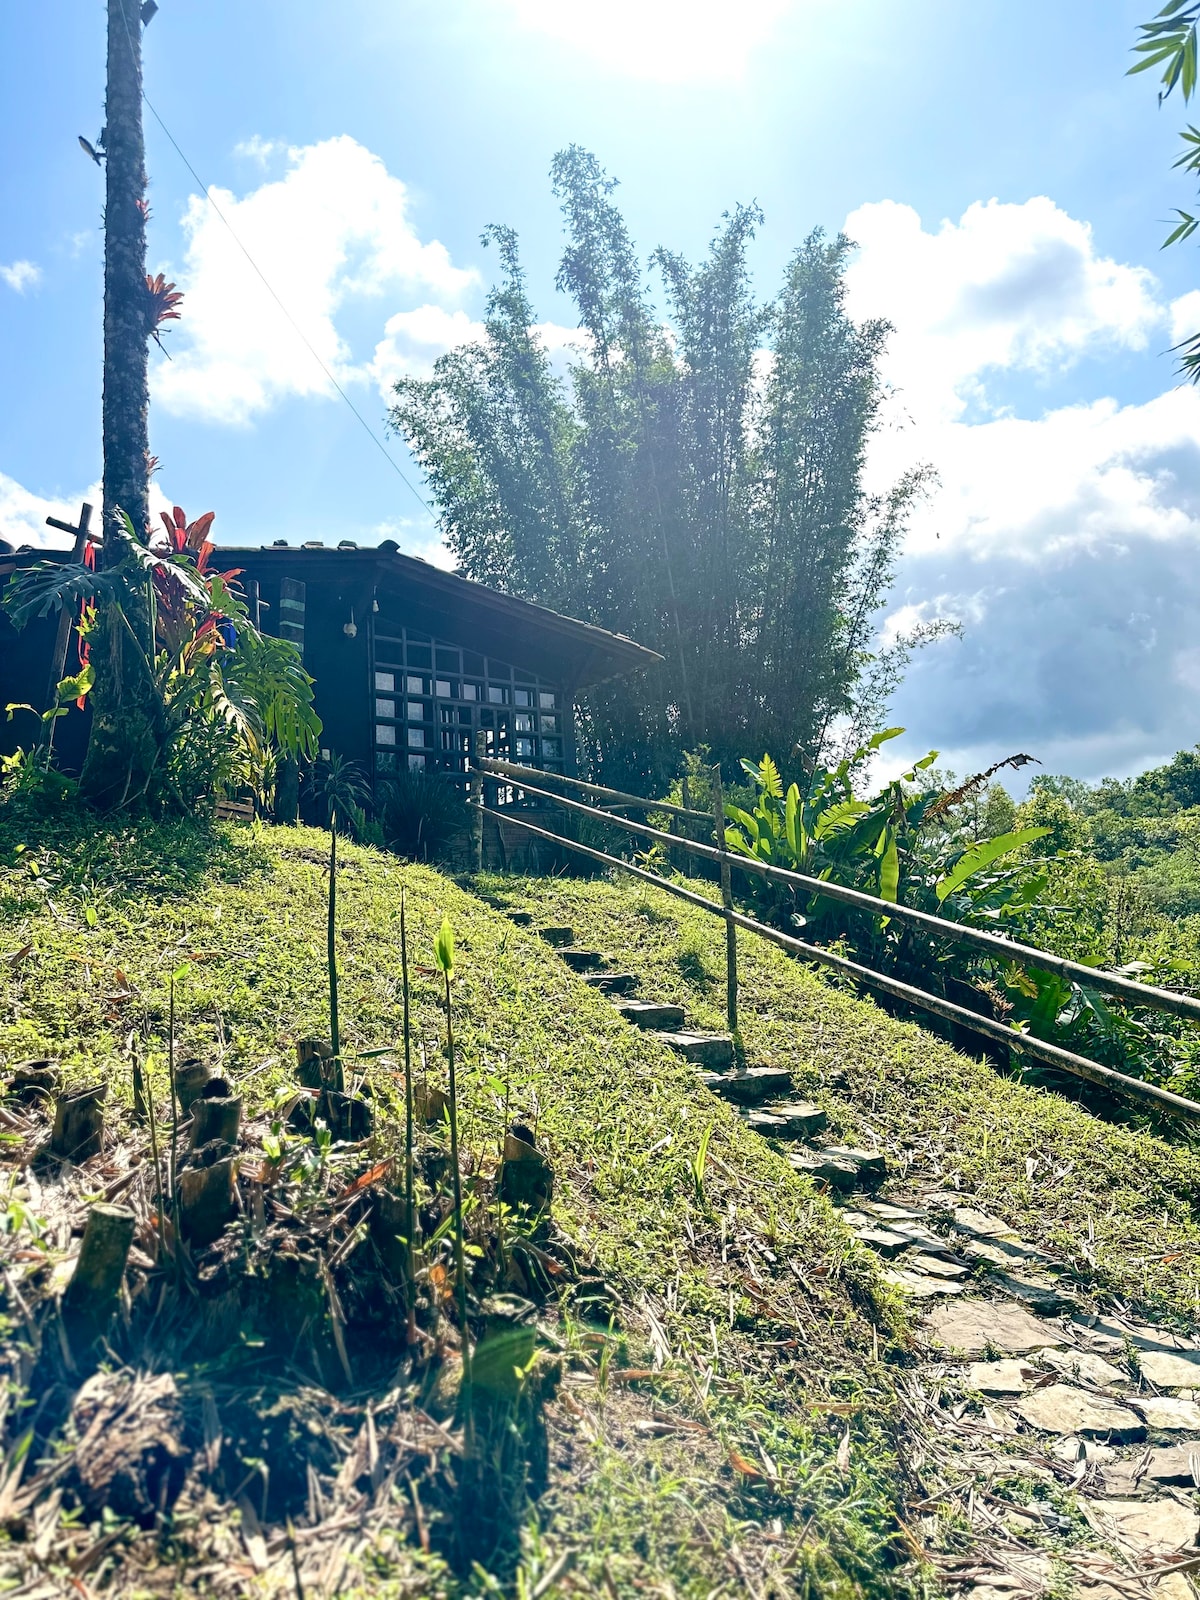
x,y
1168,42
222,697
1100,875
697,483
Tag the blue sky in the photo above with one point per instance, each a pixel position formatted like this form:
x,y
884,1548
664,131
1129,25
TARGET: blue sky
x,y
1006,182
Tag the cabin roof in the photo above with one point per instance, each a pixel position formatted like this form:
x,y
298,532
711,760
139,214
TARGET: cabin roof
x,y
447,604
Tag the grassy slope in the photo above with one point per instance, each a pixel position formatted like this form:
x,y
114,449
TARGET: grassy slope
x,y
1119,1201
770,1311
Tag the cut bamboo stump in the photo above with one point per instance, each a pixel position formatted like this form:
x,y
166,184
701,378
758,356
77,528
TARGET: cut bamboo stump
x,y
91,1296
32,1080
315,1066
526,1177
349,1119
219,1118
206,1200
79,1124
191,1080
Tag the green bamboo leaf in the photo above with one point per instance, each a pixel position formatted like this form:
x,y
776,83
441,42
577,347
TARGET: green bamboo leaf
x,y
443,948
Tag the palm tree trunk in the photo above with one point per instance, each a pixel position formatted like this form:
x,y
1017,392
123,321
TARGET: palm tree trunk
x,y
126,717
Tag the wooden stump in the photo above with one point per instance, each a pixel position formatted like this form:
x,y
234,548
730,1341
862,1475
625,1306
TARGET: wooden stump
x,y
315,1066
206,1199
79,1124
91,1295
191,1080
526,1177
349,1118
219,1118
33,1080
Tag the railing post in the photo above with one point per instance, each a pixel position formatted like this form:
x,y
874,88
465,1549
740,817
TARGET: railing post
x,y
477,806
731,966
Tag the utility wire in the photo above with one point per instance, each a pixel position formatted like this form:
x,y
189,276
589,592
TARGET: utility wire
x,y
363,423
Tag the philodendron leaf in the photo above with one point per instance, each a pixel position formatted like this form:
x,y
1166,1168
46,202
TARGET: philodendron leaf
x,y
443,948
982,855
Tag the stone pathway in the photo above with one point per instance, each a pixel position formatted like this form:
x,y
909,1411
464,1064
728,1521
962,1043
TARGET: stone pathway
x,y
1053,1452
1058,1452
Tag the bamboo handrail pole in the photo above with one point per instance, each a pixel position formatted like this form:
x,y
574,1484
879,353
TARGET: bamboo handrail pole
x,y
1021,1043
1144,994
616,796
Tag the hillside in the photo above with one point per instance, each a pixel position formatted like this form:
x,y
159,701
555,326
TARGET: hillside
x,y
724,1398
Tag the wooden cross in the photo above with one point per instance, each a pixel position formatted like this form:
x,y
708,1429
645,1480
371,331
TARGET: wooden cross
x,y
58,661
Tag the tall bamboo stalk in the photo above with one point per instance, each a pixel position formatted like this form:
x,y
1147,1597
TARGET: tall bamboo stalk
x,y
331,946
409,1207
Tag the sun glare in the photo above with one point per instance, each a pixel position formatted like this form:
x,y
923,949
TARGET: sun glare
x,y
670,40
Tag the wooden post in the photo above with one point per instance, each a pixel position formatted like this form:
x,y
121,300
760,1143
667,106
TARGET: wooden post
x,y
731,968
477,807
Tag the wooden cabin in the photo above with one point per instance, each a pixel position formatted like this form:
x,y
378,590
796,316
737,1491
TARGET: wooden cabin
x,y
414,667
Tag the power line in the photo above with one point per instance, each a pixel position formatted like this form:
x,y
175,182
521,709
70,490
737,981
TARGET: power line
x,y
363,423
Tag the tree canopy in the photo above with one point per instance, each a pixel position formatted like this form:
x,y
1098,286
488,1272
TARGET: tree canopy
x,y
697,483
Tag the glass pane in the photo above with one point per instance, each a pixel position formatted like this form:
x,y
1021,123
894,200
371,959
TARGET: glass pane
x,y
547,701
416,738
385,761
419,655
385,680
524,722
522,697
441,687
385,708
524,749
416,763
470,691
384,733
496,695
552,748
417,685
473,663
447,660
416,711
549,724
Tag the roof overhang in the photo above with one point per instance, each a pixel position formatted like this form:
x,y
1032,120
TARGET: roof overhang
x,y
447,605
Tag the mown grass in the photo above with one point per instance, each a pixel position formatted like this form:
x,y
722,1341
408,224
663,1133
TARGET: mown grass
x,y
1119,1201
767,1317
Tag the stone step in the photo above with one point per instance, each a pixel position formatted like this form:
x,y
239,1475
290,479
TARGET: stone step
x,y
798,1121
840,1166
705,1049
612,982
558,936
824,1168
747,1088
649,1014
582,960
523,919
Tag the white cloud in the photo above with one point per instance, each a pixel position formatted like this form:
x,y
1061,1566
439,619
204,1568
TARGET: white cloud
x,y
1185,316
413,340
21,275
1066,538
417,536
257,149
665,40
334,230
23,513
1006,287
